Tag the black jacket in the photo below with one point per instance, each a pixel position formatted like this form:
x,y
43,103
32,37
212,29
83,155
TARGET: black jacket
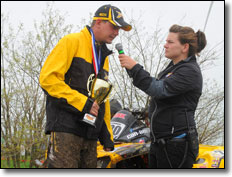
x,y
64,79
175,95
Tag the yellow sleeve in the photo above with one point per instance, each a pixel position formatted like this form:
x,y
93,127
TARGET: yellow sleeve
x,y
53,72
107,119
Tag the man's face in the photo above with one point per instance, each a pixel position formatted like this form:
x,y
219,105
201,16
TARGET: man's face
x,y
107,32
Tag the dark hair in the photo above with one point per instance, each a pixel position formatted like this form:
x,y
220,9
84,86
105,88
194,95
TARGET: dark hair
x,y
197,41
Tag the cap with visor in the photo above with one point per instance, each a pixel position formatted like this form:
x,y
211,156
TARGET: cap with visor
x,y
113,15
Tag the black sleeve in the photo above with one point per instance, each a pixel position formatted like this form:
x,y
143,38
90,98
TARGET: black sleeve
x,y
141,78
148,84
88,106
104,137
63,104
184,79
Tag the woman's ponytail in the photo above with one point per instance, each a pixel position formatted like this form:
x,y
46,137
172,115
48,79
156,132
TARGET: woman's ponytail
x,y
201,41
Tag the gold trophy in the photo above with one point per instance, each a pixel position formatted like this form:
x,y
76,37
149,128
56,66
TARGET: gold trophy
x,y
98,91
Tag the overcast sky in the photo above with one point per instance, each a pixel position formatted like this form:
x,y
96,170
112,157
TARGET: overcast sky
x,y
187,13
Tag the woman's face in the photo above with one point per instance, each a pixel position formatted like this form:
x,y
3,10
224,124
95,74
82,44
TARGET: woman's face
x,y
173,47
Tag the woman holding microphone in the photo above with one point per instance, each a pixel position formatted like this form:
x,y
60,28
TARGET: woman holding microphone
x,y
175,94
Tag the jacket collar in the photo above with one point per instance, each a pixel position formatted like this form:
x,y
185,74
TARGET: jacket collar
x,y
189,59
171,66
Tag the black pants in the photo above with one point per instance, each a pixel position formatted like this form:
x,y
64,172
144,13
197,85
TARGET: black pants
x,y
175,152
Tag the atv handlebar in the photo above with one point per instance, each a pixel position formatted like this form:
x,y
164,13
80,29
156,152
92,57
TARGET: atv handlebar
x,y
141,114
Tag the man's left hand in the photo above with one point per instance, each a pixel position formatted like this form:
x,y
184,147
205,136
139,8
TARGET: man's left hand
x,y
107,149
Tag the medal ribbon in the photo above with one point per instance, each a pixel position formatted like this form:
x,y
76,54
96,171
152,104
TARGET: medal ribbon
x,y
96,57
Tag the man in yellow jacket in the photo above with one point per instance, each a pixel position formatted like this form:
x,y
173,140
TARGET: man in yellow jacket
x,y
64,80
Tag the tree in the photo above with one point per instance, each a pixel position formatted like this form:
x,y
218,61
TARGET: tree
x,y
22,99
210,116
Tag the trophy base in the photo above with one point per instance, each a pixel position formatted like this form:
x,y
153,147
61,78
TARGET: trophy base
x,y
89,119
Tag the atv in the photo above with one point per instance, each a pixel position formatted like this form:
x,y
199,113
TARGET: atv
x,y
132,143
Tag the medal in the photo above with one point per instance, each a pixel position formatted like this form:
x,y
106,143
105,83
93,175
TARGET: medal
x,y
96,56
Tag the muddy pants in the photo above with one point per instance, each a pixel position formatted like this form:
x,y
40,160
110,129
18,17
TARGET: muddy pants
x,y
70,151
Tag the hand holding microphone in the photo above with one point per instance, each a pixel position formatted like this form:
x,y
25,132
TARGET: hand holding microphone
x,y
126,61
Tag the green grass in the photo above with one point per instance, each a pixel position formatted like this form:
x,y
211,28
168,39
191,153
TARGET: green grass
x,y
25,164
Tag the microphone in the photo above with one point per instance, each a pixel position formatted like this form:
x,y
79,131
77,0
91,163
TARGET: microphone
x,y
119,48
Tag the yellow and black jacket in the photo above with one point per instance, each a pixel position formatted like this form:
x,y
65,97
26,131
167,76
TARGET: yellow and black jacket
x,y
64,80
